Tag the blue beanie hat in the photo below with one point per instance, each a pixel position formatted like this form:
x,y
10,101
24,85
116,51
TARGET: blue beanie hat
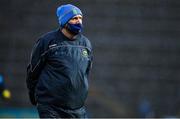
x,y
66,12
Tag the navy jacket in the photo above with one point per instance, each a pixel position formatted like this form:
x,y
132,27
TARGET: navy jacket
x,y
58,70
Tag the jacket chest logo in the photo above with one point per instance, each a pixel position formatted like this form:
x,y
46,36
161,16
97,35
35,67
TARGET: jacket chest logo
x,y
84,53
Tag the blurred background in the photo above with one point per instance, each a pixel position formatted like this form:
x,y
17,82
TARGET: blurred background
x,y
136,69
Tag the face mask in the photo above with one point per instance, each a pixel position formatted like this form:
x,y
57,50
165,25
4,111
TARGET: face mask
x,y
74,28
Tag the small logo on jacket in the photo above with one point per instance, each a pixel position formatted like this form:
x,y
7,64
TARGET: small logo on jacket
x,y
84,53
53,45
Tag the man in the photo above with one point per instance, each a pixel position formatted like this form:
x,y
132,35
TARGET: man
x,y
59,67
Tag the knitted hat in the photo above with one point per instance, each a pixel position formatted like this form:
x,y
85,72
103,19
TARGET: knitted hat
x,y
66,12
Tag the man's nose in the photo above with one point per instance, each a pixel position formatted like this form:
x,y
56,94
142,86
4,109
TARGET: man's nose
x,y
79,20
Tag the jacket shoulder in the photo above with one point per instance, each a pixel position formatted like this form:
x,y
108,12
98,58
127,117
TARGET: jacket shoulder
x,y
86,41
46,39
48,36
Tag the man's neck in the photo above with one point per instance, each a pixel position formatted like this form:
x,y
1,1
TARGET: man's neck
x,y
67,33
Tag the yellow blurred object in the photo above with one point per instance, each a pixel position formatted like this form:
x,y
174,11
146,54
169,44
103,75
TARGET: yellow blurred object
x,y
6,94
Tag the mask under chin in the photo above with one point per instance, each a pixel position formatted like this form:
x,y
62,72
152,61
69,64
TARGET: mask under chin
x,y
74,28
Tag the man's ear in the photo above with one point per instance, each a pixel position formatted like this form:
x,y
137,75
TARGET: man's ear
x,y
65,26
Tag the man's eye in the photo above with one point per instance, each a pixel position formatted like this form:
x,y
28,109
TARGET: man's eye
x,y
76,18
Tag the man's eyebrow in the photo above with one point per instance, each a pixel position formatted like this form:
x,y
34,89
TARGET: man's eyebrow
x,y
77,16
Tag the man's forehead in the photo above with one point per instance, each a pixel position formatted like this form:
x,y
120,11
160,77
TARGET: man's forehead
x,y
77,16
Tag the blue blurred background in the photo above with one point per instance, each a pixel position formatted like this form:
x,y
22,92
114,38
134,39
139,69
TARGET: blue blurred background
x,y
136,69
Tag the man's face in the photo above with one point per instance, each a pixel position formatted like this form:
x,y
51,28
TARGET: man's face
x,y
76,20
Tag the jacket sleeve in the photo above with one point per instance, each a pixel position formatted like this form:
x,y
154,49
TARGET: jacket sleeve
x,y
37,61
90,63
